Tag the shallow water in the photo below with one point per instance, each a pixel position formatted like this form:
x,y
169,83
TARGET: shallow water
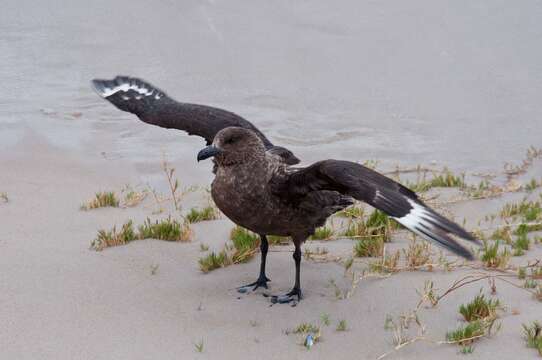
x,y
457,83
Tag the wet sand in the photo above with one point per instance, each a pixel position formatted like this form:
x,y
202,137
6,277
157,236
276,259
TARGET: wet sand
x,y
454,85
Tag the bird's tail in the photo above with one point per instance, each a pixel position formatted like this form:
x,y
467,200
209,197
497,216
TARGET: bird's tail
x,y
130,94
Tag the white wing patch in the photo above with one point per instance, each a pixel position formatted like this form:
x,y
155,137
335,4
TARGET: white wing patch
x,y
416,217
126,87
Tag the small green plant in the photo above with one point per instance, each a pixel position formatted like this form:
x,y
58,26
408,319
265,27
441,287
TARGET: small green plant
x,y
305,328
504,234
532,333
342,326
481,315
213,261
538,293
325,319
205,214
167,229
532,185
369,247
536,272
521,244
203,247
245,243
101,199
322,233
493,258
524,229
445,178
199,346
113,237
132,197
386,264
377,225
466,334
527,210
480,308
4,197
448,179
530,284
483,189
522,273
418,254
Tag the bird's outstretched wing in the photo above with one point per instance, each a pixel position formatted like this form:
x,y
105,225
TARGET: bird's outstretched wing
x,y
383,193
155,107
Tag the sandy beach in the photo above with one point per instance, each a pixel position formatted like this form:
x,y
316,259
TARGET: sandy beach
x,y
436,84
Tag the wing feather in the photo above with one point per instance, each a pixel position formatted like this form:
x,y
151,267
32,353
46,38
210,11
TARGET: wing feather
x,y
380,192
153,106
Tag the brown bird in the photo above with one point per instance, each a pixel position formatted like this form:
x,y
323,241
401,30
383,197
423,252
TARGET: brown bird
x,y
257,188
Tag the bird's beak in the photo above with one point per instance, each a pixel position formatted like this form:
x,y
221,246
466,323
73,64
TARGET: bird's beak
x,y
208,152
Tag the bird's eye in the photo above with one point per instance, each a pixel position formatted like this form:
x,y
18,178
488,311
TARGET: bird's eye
x,y
229,140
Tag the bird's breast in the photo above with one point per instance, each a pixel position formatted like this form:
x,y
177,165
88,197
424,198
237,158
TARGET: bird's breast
x,y
245,199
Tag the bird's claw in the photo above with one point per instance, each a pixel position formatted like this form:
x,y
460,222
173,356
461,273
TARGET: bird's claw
x,y
287,298
261,282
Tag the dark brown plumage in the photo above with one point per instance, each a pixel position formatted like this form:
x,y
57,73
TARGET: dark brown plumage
x,y
260,191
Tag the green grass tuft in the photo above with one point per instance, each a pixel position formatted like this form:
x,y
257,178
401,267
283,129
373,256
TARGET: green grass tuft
x,y
167,229
480,308
213,261
369,247
493,258
325,319
532,185
199,346
504,234
102,199
113,237
466,334
243,247
322,233
527,210
342,326
417,254
445,178
377,225
532,334
205,214
245,243
521,244
306,328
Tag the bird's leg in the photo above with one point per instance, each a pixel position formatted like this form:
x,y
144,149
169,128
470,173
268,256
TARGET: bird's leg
x,y
296,291
262,279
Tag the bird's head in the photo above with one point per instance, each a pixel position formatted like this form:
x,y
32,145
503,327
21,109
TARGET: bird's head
x,y
234,145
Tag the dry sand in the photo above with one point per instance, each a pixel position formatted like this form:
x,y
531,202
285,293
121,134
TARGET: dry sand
x,y
455,84
61,300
